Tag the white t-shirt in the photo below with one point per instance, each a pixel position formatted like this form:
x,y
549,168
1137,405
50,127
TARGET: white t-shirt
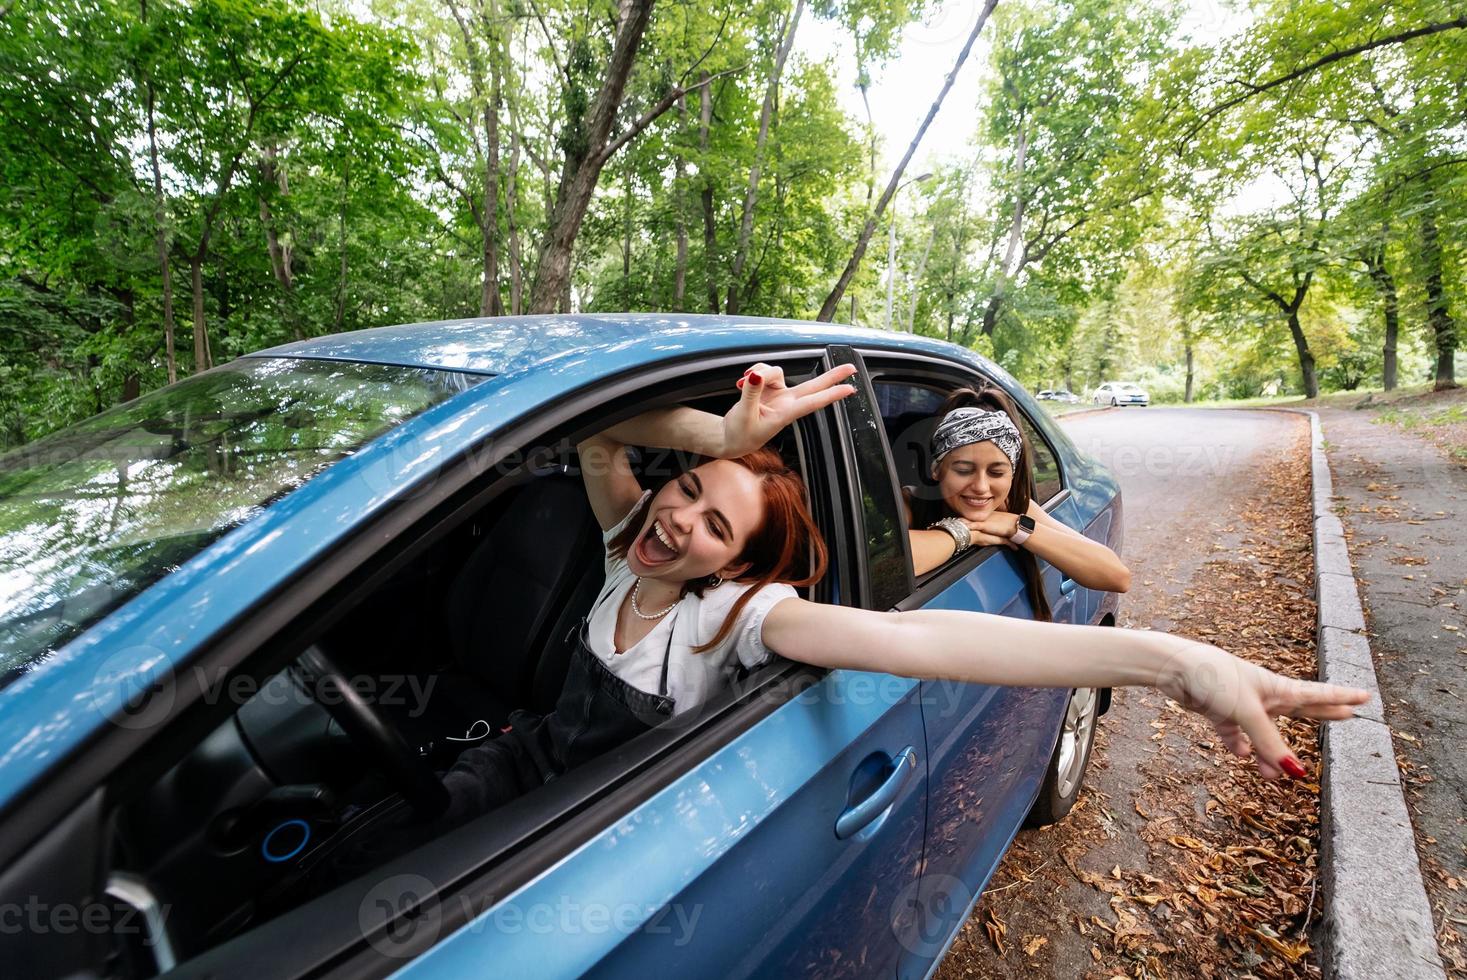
x,y
692,678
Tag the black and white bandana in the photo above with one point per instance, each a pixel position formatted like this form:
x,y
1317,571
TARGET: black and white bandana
x,y
965,426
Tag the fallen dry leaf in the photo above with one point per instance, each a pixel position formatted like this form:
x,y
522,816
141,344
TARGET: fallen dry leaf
x,y
996,929
1190,843
1292,952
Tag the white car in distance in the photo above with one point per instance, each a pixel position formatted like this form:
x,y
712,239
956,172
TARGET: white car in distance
x,y
1121,393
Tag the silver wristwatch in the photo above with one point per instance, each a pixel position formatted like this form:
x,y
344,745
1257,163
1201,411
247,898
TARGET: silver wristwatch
x,y
962,537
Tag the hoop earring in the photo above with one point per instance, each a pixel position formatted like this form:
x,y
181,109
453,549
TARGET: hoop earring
x,y
713,582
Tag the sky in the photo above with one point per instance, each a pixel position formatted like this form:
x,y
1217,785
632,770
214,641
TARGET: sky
x,y
904,88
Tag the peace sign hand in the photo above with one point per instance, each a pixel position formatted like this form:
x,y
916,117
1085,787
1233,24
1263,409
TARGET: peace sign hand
x,y
767,406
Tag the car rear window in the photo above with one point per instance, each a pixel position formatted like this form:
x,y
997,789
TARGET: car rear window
x,y
93,514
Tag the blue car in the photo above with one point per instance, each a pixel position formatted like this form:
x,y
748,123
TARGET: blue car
x,y
243,616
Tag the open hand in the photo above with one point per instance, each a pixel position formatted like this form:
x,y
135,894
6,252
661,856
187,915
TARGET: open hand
x,y
767,406
1242,700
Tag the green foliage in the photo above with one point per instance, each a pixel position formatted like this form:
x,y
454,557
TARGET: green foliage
x,y
1134,204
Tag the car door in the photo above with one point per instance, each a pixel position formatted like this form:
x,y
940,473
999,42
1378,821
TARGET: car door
x,y
987,745
789,849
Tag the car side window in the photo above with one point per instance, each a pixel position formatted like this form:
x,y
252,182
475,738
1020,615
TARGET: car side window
x,y
1046,467
909,414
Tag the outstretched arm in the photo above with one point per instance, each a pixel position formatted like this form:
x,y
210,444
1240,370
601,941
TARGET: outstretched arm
x,y
1239,698
765,406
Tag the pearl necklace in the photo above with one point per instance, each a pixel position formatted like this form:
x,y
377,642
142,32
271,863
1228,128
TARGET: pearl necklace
x,y
638,609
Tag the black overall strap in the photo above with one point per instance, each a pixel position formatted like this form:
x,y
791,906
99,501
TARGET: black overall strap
x,y
666,659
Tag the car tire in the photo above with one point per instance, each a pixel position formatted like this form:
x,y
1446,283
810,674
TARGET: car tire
x,y
1114,403
1070,761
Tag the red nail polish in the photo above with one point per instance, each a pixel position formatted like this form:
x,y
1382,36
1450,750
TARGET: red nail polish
x,y
1291,765
739,383
754,379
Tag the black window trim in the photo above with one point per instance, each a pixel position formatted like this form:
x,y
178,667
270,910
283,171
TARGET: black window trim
x,y
287,620
863,381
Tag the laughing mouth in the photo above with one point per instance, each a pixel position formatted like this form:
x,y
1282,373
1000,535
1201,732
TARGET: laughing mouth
x,y
662,536
658,533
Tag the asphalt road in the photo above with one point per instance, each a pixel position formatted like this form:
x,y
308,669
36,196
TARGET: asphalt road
x,y
1182,473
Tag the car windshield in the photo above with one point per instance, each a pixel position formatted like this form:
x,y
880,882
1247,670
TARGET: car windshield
x,y
1129,387
93,514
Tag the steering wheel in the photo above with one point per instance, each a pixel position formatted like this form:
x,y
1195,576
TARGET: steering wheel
x,y
408,773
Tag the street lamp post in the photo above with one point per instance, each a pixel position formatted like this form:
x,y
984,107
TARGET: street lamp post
x,y
891,244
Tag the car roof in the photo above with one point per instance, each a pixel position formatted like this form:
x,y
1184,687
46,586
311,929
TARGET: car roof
x,y
512,344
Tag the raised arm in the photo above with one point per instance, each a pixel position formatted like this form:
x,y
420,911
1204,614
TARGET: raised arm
x,y
765,406
1240,699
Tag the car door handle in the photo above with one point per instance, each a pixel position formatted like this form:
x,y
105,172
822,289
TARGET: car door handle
x,y
873,806
1067,585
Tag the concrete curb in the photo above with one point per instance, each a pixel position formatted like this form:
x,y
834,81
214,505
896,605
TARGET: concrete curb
x,y
1085,411
1376,920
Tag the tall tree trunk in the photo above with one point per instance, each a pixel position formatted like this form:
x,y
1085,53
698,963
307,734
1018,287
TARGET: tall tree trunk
x,y
917,280
511,204
870,136
1438,319
585,155
280,250
339,314
679,204
1016,234
827,309
626,243
1385,285
991,310
710,225
1306,357
1187,395
489,220
489,302
202,361
761,141
160,222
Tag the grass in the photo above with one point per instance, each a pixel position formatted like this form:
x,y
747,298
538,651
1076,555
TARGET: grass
x,y
1441,418
1056,409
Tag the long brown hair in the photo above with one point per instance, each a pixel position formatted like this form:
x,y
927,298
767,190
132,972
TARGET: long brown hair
x,y
929,508
785,547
